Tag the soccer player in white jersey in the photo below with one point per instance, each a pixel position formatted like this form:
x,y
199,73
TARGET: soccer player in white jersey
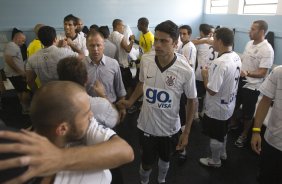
x,y
187,47
270,149
164,76
221,80
188,50
257,59
205,55
72,37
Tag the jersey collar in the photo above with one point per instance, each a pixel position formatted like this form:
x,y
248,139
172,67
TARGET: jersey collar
x,y
162,69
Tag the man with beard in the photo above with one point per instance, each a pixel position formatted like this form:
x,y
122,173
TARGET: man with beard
x,y
257,59
60,111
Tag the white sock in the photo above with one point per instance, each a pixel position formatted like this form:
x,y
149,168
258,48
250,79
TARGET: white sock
x,y
216,148
144,175
163,168
183,152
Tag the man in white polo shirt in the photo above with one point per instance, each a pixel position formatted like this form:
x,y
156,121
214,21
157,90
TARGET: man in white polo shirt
x,y
257,59
187,48
269,150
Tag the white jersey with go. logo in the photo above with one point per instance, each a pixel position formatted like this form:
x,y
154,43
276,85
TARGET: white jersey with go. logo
x,y
162,89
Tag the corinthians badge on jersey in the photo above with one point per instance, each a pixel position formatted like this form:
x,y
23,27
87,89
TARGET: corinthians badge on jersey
x,y
170,80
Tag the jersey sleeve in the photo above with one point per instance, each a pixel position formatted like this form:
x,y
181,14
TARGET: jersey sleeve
x,y
267,57
104,112
117,38
190,85
269,86
97,133
10,50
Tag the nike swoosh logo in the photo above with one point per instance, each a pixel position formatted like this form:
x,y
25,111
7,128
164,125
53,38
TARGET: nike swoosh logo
x,y
148,77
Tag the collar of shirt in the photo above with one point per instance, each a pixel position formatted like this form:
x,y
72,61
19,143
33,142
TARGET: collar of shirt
x,y
260,44
103,60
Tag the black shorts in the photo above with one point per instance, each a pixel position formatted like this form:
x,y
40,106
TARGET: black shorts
x,y
270,165
126,77
19,83
154,146
215,129
248,99
201,90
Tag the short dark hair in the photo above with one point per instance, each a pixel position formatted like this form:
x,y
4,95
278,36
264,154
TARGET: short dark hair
x,y
15,31
226,35
205,28
94,27
47,35
170,28
262,25
144,21
53,104
116,22
187,27
72,18
105,31
71,69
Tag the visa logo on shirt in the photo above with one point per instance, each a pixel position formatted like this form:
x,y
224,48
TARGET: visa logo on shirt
x,y
158,98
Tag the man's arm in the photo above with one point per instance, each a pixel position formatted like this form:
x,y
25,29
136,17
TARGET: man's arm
x,y
202,41
31,76
135,95
259,73
261,113
124,45
183,140
9,60
206,80
75,48
44,158
106,155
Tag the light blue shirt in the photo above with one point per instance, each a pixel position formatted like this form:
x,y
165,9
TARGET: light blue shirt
x,y
107,72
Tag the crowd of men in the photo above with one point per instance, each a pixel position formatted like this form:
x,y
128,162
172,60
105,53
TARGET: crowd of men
x,y
81,87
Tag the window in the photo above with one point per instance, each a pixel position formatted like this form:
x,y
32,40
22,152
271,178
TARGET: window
x,y
260,6
218,6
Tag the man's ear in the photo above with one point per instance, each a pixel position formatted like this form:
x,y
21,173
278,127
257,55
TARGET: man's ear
x,y
62,129
175,43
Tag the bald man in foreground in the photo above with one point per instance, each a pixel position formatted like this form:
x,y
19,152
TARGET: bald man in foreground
x,y
61,124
